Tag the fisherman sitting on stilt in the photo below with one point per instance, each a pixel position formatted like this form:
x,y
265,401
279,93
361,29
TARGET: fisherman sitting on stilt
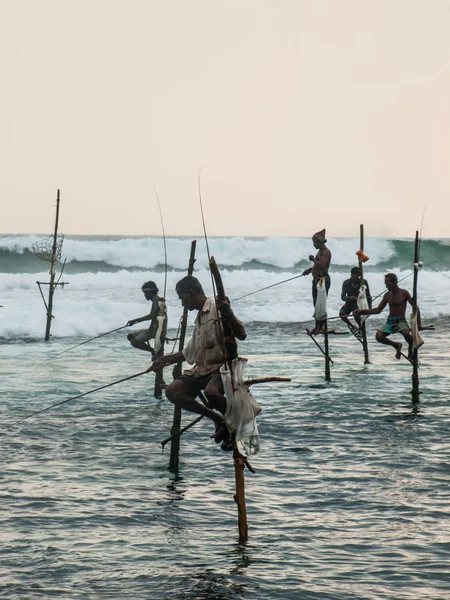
x,y
206,351
350,292
396,322
158,323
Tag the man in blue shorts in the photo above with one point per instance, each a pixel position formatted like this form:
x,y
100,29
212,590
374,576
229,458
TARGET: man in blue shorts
x,y
397,300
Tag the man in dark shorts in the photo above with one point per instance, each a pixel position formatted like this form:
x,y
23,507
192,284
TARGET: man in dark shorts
x,y
350,291
206,351
397,300
321,264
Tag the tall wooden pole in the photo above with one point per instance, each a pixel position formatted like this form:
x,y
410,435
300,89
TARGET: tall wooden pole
x,y
363,324
176,424
230,350
51,289
415,393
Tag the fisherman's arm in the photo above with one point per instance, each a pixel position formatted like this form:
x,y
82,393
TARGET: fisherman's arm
x,y
237,327
139,320
167,359
415,309
372,311
307,272
345,295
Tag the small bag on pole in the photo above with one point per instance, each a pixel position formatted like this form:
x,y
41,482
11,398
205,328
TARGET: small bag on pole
x,y
320,308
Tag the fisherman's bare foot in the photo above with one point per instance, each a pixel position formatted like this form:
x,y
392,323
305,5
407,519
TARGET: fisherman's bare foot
x,y
398,348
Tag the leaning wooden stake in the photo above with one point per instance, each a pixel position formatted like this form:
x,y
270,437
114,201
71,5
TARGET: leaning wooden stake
x,y
415,393
51,289
176,424
363,324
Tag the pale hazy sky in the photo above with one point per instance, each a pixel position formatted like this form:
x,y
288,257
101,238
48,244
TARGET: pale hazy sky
x,y
302,114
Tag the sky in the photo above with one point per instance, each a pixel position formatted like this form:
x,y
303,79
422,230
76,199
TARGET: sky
x,y
299,114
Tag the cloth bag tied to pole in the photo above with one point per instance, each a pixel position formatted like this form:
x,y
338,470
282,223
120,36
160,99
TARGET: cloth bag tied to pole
x,y
416,337
361,301
320,308
242,408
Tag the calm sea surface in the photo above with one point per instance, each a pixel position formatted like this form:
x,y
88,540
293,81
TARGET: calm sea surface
x,y
350,499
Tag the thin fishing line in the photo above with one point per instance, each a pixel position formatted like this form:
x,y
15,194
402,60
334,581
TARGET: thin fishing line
x,y
85,342
204,231
203,216
421,227
165,245
38,412
443,274
266,288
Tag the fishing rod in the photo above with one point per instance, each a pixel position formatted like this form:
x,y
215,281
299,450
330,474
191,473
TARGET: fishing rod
x,y
86,341
164,238
37,412
266,288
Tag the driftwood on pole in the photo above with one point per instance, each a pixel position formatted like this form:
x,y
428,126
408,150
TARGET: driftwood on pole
x,y
363,324
176,424
49,250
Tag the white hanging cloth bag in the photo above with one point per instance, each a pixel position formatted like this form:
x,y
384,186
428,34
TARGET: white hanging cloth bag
x,y
160,318
361,302
320,308
242,408
415,334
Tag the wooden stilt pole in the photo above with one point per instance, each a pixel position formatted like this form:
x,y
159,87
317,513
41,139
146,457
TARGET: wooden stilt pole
x,y
327,353
415,393
159,378
363,325
176,424
239,497
51,289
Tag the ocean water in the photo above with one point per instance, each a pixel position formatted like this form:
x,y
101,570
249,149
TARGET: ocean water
x,y
350,499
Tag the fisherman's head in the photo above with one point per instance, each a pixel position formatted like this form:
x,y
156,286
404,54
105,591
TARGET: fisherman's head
x,y
150,289
355,274
190,292
390,281
319,239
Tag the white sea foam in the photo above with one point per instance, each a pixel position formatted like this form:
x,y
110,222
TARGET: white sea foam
x,y
280,252
94,303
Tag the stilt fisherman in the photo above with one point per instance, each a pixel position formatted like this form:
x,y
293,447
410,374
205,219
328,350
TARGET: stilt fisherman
x,y
158,323
205,350
319,272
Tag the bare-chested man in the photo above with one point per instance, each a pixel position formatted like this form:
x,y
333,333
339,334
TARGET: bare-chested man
x,y
318,270
396,321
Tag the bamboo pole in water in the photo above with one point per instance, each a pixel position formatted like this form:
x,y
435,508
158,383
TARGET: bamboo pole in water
x,y
363,324
415,392
176,424
51,289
